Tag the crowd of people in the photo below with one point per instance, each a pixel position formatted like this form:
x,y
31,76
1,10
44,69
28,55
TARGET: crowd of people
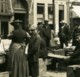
x,y
21,64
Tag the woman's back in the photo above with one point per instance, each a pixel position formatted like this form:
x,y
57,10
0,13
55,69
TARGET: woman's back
x,y
19,36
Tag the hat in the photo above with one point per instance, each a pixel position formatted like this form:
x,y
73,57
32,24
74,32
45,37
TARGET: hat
x,y
39,23
16,21
32,27
62,21
45,20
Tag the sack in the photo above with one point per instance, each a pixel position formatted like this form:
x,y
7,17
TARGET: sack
x,y
2,59
26,49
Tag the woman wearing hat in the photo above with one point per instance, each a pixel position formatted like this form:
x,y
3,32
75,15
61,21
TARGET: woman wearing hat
x,y
17,60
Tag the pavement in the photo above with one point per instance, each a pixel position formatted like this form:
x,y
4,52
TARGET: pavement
x,y
48,74
4,74
56,74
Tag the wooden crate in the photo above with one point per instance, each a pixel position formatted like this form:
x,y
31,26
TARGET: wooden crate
x,y
59,52
73,71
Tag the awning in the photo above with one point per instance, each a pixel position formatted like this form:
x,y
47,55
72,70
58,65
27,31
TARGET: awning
x,y
76,12
17,10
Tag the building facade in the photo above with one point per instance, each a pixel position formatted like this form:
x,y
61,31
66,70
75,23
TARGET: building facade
x,y
41,10
52,10
31,12
10,10
61,12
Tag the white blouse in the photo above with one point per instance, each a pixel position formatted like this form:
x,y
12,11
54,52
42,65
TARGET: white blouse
x,y
2,50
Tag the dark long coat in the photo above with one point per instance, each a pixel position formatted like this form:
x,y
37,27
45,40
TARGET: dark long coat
x,y
17,64
33,55
47,34
64,33
34,47
75,33
43,49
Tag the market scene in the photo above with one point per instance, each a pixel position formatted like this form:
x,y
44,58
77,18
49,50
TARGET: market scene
x,y
39,38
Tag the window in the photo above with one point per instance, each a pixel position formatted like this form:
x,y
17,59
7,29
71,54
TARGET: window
x,y
40,8
50,13
61,7
61,12
18,4
50,9
4,6
4,29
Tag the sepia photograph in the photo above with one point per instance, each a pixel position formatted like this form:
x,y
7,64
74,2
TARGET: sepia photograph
x,y
39,38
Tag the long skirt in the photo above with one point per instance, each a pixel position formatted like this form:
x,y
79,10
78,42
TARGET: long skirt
x,y
17,64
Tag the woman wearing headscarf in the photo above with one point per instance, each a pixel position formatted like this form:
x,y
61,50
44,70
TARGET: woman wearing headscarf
x,y
17,60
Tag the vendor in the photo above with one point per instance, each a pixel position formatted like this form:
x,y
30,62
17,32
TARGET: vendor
x,y
75,56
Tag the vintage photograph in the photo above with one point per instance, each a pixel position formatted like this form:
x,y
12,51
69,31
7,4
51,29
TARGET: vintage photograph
x,y
39,38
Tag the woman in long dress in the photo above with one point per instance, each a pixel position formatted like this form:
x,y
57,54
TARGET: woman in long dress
x,y
18,66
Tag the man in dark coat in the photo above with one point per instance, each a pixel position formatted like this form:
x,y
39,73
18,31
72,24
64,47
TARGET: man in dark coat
x,y
64,34
43,48
75,32
47,33
33,52
41,30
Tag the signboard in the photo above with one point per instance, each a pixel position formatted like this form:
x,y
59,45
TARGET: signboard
x,y
76,3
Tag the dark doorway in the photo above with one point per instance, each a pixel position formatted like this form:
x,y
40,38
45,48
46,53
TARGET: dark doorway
x,y
61,17
4,29
61,14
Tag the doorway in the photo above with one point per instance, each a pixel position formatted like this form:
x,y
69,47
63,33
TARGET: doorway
x,y
4,29
61,14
